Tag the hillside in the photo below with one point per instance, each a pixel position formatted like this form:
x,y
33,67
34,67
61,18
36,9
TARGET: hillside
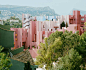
x,y
81,12
11,10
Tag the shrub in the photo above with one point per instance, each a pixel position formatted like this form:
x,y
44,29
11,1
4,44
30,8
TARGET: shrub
x,y
5,62
71,61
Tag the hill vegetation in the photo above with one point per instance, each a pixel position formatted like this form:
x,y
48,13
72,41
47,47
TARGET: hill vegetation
x,y
13,10
6,27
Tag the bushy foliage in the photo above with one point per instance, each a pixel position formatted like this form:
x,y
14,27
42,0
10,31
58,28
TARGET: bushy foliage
x,y
58,44
69,40
54,35
81,48
52,52
14,24
82,45
70,61
5,62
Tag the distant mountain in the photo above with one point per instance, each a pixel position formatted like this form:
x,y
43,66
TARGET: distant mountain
x,y
11,10
81,12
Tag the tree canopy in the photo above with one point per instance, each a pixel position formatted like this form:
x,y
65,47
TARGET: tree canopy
x,y
58,45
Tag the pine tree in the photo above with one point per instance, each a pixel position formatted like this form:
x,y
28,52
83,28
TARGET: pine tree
x,y
70,61
48,53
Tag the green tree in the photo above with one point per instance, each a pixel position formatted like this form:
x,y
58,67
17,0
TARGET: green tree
x,y
62,24
84,27
81,48
69,40
5,62
52,52
15,24
70,61
54,35
66,24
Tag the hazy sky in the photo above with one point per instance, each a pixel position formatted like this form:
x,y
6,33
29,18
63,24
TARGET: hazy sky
x,y
61,7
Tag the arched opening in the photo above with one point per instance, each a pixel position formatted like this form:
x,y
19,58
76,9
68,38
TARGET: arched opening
x,y
62,25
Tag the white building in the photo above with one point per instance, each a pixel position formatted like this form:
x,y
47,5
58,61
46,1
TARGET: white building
x,y
26,18
14,21
1,22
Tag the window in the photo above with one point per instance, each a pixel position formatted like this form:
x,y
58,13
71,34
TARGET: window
x,y
82,19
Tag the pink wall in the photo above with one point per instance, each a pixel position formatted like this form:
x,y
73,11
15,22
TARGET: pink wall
x,y
24,34
18,36
70,28
34,35
76,19
28,36
33,52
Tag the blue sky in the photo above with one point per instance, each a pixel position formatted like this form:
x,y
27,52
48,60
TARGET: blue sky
x,y
61,7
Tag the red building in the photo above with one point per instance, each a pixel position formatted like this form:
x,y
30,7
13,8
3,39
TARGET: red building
x,y
76,18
